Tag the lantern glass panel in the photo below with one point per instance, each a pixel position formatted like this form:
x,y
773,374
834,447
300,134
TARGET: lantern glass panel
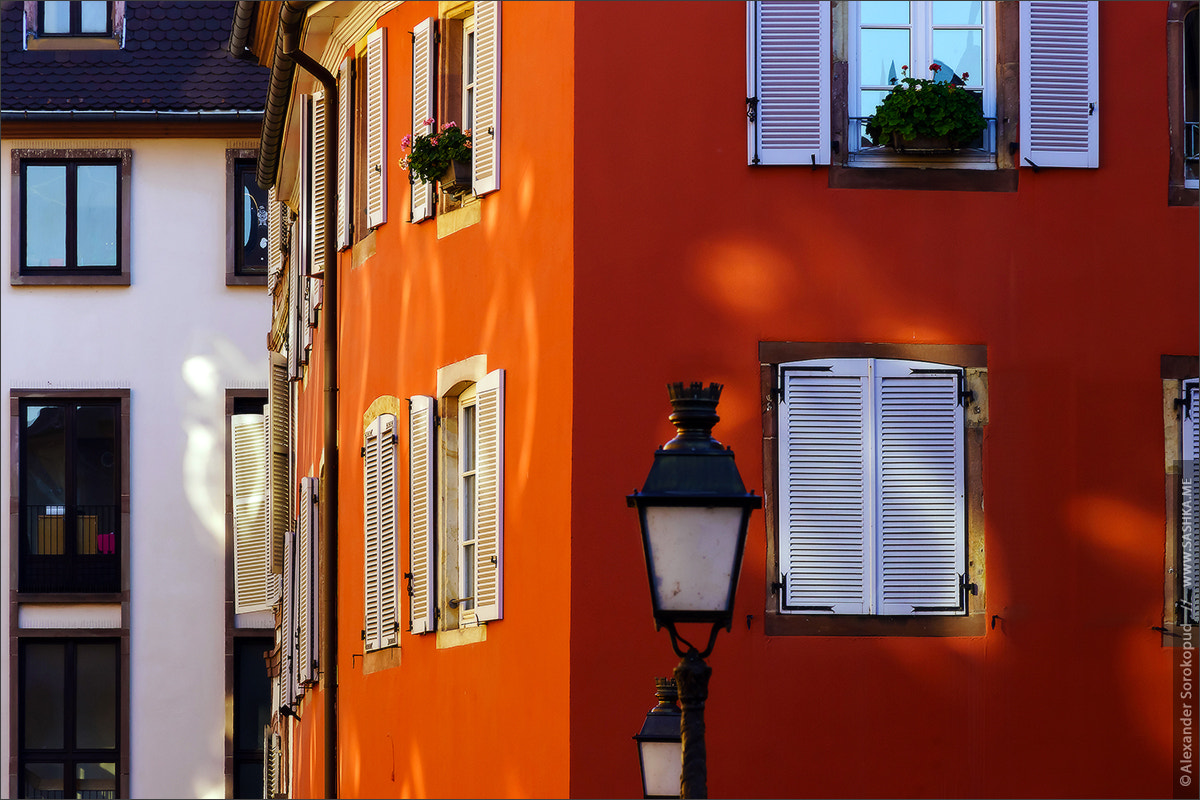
x,y
662,763
693,551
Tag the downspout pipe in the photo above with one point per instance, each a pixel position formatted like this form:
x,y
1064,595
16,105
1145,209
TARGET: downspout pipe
x,y
291,17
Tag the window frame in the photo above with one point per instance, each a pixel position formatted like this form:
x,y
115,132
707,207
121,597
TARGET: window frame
x,y
973,360
1175,371
1180,190
76,22
118,275
237,164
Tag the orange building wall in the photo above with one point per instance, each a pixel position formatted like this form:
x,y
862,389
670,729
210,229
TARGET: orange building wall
x,y
686,259
481,718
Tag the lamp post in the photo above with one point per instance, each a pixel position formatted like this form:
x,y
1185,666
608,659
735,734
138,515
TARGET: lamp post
x,y
659,745
693,511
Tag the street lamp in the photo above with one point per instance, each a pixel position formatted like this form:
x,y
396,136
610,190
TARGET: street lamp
x,y
659,745
693,511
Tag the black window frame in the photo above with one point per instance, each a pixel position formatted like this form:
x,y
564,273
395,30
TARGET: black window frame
x,y
22,274
69,755
76,23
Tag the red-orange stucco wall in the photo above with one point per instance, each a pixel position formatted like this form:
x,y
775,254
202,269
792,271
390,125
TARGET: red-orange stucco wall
x,y
686,259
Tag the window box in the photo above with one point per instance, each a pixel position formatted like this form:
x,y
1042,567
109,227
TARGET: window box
x,y
456,180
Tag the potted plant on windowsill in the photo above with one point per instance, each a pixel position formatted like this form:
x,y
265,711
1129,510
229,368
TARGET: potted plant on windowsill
x,y
443,156
927,115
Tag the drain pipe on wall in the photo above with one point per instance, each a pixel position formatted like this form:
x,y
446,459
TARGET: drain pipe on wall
x,y
291,18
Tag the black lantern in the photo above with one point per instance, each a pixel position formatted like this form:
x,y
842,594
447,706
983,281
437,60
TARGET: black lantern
x,y
659,743
693,511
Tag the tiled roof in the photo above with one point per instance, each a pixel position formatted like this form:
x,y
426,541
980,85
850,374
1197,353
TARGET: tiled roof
x,y
174,59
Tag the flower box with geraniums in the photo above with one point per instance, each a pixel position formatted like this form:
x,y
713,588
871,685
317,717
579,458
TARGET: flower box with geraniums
x,y
443,156
927,115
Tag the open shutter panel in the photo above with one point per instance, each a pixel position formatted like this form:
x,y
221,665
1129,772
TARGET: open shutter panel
x,y
251,584
275,222
303,582
287,677
345,107
424,70
389,599
293,292
485,130
316,187
1059,84
789,81
1190,421
489,547
377,128
279,432
421,504
920,515
371,536
825,503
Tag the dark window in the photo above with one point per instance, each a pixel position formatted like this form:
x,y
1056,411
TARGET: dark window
x,y
251,713
71,216
70,477
77,18
250,247
1191,98
69,728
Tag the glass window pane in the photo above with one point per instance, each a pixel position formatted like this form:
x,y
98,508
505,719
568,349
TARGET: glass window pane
x,y
953,12
43,780
96,695
96,781
44,453
43,695
877,12
958,52
884,54
56,16
248,779
252,219
468,438
252,695
96,455
93,16
45,214
96,210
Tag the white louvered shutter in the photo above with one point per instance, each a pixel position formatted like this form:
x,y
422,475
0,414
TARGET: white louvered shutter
x,y
1059,84
287,676
371,536
251,544
824,487
489,524
293,294
422,490
389,598
376,128
920,511
424,70
1190,543
345,108
316,187
306,579
789,75
485,128
279,437
275,223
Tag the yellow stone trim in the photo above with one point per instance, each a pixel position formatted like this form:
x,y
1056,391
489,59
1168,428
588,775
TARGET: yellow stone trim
x,y
384,404
460,636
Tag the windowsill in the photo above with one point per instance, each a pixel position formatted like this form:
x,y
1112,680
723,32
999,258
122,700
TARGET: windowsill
x,y
71,280
73,43
70,597
452,221
950,176
878,157
379,660
460,636
1175,635
779,624
245,280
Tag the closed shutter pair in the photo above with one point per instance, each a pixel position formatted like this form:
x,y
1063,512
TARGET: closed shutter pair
x,y
789,47
376,137
485,129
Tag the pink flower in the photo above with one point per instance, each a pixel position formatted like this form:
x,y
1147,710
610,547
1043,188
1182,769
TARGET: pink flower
x,y
406,141
428,121
449,125
433,141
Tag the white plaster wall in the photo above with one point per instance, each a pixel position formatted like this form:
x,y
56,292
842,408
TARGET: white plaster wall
x,y
177,337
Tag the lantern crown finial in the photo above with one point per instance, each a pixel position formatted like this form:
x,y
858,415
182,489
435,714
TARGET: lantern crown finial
x,y
694,413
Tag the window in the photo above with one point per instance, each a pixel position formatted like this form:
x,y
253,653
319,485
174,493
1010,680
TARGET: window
x,y
1183,102
86,18
876,488
456,485
248,221
456,78
1181,425
380,580
362,141
70,720
251,713
73,216
71,483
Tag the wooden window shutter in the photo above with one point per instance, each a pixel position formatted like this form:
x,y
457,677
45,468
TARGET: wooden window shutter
x,y
371,536
920,494
376,128
422,489
1189,527
287,675
276,220
251,544
789,86
1059,84
306,600
293,301
344,172
279,436
489,547
485,130
316,187
824,487
389,598
423,108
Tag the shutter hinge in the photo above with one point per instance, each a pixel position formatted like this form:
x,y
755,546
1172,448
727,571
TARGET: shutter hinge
x,y
362,451
777,585
1186,401
752,109
1036,168
408,576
